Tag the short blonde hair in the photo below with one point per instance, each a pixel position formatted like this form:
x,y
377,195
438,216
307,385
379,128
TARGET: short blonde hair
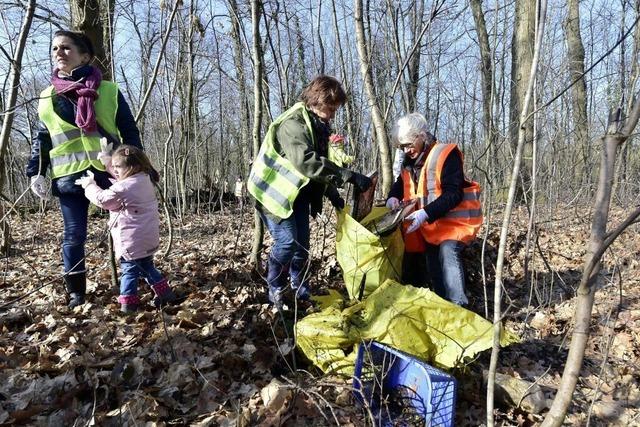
x,y
410,127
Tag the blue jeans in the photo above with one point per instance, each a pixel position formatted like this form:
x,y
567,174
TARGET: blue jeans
x,y
444,264
133,270
290,250
75,208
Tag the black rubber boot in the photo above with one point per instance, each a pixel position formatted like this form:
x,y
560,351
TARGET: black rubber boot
x,y
77,287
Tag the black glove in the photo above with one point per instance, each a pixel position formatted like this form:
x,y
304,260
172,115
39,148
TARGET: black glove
x,y
337,203
335,199
360,181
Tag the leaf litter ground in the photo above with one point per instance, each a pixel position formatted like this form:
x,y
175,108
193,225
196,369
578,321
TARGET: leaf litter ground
x,y
206,360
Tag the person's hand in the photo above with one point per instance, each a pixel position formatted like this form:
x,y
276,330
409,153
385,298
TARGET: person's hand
x,y
393,203
417,218
362,182
39,186
105,151
86,180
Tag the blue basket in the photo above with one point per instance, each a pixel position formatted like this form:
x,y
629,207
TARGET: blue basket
x,y
401,390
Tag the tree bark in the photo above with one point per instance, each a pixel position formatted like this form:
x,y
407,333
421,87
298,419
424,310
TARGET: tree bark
x,y
521,57
486,67
376,115
575,52
238,61
258,231
9,114
95,19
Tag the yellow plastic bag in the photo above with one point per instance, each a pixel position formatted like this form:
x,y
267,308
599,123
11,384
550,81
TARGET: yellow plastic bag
x,y
359,252
414,320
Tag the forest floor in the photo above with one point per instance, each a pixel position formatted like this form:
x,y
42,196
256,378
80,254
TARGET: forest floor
x,y
205,361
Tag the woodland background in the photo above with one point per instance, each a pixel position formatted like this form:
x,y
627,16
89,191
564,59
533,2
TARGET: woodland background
x,y
541,96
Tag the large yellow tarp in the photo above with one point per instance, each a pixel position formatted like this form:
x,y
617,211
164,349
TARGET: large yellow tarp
x,y
360,252
414,320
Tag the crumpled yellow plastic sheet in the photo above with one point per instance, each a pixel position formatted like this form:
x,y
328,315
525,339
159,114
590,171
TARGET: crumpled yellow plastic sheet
x,y
414,320
360,251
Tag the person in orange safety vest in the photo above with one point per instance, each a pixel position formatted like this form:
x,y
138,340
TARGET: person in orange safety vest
x,y
448,214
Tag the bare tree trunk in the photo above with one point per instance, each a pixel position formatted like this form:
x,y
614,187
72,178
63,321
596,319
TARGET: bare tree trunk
x,y
521,58
9,114
376,115
95,18
575,52
258,232
515,173
486,63
242,85
618,132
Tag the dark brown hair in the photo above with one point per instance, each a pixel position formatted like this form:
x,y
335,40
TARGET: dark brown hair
x,y
134,159
323,90
80,40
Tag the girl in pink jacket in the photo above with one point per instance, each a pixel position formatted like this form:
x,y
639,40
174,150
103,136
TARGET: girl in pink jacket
x,y
134,222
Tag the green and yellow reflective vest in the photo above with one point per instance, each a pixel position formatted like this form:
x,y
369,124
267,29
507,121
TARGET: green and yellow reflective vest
x,y
273,181
73,150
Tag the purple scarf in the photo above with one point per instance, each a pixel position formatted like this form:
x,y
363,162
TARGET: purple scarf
x,y
86,92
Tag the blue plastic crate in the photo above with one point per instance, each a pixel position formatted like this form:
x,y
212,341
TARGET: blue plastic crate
x,y
401,390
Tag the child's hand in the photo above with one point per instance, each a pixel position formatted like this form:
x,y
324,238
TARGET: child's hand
x,y
86,180
105,151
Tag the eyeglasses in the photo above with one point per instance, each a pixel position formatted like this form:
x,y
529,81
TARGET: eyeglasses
x,y
407,145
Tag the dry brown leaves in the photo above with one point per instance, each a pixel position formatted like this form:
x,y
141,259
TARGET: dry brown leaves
x,y
209,360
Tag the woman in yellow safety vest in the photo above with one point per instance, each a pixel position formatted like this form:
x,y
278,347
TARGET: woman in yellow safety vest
x,y
76,111
289,177
448,215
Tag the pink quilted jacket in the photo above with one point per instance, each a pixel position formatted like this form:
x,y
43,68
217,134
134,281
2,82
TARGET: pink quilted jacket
x,y
133,215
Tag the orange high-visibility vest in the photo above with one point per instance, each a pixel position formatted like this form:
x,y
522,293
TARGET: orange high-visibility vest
x,y
460,223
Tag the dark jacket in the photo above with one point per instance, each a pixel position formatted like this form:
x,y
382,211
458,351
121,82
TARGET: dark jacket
x,y
294,143
65,107
452,180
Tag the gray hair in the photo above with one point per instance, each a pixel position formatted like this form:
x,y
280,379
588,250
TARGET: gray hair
x,y
409,127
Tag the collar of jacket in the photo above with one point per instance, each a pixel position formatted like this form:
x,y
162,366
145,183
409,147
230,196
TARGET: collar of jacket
x,y
77,73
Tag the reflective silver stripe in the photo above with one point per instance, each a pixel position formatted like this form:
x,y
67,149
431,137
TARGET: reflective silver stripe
x,y
433,157
282,171
66,159
68,135
471,196
470,213
270,191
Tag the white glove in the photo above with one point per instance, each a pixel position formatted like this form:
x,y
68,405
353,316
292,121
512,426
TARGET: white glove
x,y
39,186
86,180
105,151
393,202
417,218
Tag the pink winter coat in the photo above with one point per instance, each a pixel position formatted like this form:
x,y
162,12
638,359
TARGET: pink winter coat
x,y
133,215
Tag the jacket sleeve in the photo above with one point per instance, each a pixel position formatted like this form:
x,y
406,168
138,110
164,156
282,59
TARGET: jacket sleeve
x,y
126,124
105,199
40,146
452,182
296,145
397,189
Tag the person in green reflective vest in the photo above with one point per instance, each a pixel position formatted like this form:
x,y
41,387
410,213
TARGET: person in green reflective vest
x,y
75,112
289,177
